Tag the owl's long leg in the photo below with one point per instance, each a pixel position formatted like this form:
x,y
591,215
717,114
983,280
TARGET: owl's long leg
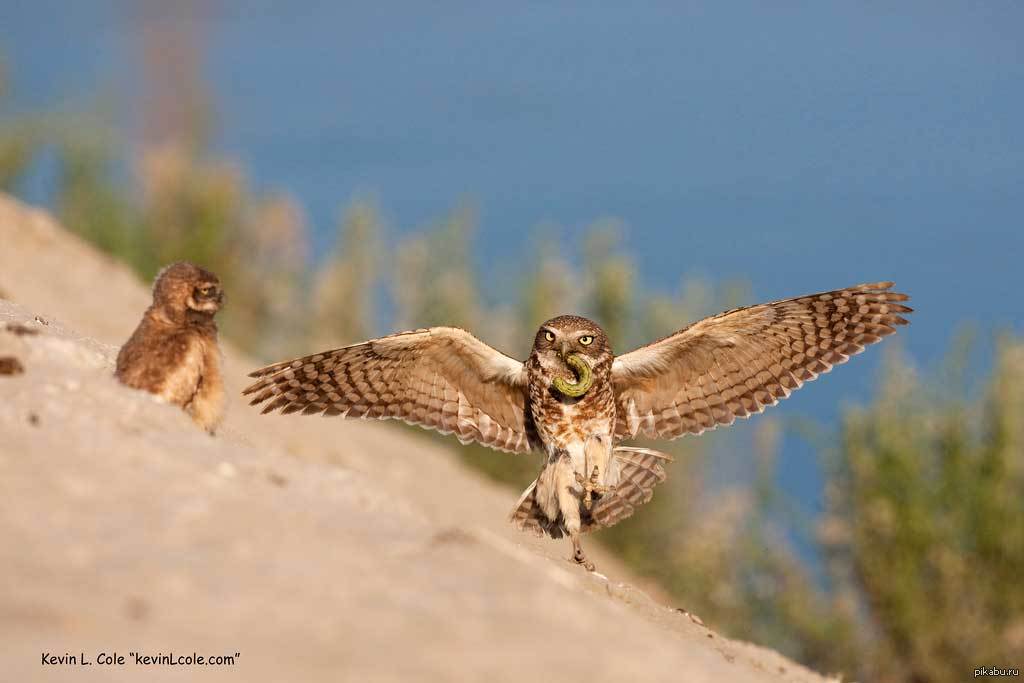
x,y
568,496
578,556
569,503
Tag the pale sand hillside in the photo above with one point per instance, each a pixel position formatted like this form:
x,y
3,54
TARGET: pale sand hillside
x,y
317,549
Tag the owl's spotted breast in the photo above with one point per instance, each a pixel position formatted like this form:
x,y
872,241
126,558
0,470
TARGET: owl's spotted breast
x,y
563,422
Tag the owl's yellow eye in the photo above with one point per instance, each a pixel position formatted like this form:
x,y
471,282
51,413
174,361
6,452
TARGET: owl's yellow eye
x,y
549,335
586,340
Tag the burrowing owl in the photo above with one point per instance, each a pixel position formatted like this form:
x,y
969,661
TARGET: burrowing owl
x,y
576,402
173,353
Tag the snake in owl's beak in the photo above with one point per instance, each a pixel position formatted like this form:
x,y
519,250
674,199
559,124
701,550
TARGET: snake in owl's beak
x,y
584,377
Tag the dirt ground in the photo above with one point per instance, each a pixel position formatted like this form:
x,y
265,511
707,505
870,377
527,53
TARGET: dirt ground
x,y
306,548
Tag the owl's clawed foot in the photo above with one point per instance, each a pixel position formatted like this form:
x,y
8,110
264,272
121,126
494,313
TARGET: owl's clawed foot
x,y
581,559
590,487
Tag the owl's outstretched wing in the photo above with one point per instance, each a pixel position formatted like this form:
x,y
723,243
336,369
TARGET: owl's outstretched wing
x,y
440,378
736,363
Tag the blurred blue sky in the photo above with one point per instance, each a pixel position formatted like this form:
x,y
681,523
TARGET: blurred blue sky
x,y
799,146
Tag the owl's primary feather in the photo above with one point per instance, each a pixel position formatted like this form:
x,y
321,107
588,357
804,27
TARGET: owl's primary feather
x,y
575,401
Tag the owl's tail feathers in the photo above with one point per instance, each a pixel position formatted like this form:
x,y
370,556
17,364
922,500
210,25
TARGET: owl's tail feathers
x,y
527,516
644,457
640,470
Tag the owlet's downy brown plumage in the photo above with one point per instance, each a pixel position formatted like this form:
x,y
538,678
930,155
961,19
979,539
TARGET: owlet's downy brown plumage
x,y
576,403
173,353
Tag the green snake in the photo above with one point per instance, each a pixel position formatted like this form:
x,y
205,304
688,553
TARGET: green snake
x,y
584,378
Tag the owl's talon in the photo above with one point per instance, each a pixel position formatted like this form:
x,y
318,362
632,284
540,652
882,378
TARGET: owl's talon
x,y
590,487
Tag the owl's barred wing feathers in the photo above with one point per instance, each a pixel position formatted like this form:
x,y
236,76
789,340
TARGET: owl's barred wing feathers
x,y
527,516
440,378
736,363
640,470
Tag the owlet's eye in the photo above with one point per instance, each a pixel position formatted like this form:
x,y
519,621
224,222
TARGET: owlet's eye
x,y
549,335
586,340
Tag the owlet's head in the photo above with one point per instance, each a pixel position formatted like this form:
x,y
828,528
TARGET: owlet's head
x,y
183,288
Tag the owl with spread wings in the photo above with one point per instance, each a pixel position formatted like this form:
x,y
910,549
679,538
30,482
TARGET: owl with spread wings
x,y
576,403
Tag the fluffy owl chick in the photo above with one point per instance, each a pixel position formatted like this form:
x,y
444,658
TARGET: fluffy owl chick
x,y
173,353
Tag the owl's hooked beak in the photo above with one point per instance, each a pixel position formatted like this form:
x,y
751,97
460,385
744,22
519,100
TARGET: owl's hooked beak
x,y
563,351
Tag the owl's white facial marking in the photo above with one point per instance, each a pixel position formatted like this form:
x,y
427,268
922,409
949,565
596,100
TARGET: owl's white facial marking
x,y
206,297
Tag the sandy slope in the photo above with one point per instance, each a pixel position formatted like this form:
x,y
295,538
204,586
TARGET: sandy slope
x,y
317,549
